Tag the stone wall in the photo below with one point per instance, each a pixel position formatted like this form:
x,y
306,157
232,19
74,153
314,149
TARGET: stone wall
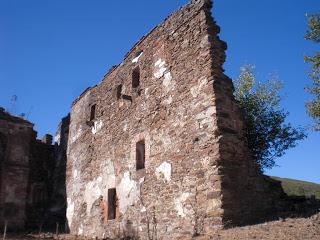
x,y
170,98
246,194
27,167
58,202
40,186
16,136
173,110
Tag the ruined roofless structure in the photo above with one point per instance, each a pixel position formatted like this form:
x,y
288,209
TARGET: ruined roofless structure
x,y
158,147
27,167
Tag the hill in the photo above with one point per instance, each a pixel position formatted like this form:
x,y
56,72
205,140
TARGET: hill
x,y
299,188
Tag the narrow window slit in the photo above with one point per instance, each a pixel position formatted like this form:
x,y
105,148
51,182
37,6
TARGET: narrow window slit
x,y
119,90
136,78
140,155
112,203
93,112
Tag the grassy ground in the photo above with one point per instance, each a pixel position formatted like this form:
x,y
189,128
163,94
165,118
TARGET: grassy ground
x,y
299,188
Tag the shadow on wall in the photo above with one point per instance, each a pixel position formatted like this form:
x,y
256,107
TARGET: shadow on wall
x,y
57,211
287,207
46,210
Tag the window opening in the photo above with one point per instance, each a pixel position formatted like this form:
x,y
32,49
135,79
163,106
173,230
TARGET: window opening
x,y
140,155
112,203
93,112
136,78
119,90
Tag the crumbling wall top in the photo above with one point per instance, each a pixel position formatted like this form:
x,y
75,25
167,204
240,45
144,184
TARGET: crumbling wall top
x,y
8,117
184,14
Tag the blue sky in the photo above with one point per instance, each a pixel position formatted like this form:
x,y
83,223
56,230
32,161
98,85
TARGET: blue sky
x,y
50,51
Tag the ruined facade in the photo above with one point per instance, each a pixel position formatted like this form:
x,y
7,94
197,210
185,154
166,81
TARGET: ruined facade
x,y
157,149
28,168
16,136
41,166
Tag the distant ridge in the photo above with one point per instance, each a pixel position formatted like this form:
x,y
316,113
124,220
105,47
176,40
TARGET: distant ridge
x,y
298,187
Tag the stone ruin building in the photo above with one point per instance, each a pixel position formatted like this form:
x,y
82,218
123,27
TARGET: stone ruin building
x,y
32,190
157,149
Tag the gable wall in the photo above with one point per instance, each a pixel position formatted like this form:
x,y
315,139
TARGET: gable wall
x,y
179,187
197,175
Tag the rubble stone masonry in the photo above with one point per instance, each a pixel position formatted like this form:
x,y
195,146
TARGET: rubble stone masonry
x,y
157,149
30,177
16,136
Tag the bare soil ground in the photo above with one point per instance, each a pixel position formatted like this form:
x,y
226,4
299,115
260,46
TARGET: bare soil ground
x,y
283,229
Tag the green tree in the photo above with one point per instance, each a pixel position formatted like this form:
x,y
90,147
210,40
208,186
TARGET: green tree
x,y
313,34
267,133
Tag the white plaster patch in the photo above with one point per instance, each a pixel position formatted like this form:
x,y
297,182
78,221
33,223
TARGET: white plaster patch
x,y
70,210
108,175
75,173
206,113
99,179
125,127
97,126
167,82
80,230
167,79
99,186
141,180
196,90
160,63
179,204
76,136
168,100
159,68
205,42
136,59
146,93
164,170
128,192
205,117
92,193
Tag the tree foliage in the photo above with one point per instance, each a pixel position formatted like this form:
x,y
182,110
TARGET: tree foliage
x,y
267,133
313,34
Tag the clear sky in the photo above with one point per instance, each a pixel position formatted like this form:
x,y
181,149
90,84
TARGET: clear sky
x,y
50,51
